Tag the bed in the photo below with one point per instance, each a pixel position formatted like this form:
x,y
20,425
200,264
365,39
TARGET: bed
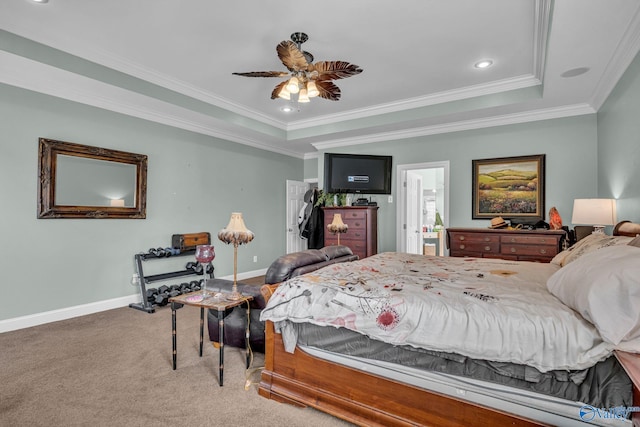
x,y
398,339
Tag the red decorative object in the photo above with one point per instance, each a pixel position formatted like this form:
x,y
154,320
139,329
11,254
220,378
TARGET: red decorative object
x,y
555,221
388,318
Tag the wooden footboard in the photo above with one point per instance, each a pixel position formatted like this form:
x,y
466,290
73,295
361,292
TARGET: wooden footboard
x,y
363,398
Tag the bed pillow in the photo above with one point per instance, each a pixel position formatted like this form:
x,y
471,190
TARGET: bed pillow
x,y
604,287
591,243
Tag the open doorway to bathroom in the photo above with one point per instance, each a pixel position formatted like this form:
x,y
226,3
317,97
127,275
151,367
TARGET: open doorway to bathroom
x,y
423,207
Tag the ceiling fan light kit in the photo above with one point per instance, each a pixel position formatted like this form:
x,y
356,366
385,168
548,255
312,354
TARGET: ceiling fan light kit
x,y
306,79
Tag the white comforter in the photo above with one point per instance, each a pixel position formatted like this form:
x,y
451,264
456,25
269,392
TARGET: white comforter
x,y
481,308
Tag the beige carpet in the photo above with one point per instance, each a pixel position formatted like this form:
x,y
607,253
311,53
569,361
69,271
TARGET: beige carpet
x,y
114,369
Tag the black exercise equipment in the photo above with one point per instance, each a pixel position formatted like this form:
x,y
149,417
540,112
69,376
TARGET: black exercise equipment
x,y
159,297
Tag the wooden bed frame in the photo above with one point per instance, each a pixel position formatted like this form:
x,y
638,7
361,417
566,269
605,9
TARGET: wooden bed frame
x,y
366,399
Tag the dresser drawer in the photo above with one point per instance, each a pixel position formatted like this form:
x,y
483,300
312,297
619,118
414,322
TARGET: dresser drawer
x,y
469,238
353,214
355,223
530,240
528,250
472,247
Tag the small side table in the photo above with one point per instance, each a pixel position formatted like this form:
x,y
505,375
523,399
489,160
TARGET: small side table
x,y
222,305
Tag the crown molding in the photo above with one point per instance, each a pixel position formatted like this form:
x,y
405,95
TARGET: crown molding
x,y
32,75
502,120
491,88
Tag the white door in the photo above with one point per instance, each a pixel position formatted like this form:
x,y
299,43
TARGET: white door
x,y
295,202
404,201
414,213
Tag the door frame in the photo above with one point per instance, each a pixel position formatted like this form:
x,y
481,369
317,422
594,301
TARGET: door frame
x,y
401,191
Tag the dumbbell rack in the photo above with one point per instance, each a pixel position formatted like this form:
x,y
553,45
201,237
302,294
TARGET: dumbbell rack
x,y
146,305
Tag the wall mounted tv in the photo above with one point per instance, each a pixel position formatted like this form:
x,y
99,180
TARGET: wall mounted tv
x,y
357,173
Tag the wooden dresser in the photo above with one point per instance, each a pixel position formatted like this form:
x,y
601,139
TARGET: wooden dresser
x,y
362,235
521,245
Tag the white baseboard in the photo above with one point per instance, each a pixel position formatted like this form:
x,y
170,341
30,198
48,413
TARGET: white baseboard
x,y
65,313
84,309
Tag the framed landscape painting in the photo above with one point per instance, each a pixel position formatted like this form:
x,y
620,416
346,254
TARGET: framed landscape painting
x,y
510,187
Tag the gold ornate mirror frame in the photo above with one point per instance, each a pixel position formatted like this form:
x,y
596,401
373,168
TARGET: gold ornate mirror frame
x,y
48,163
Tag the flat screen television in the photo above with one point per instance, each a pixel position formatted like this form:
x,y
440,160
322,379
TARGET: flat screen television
x,y
357,173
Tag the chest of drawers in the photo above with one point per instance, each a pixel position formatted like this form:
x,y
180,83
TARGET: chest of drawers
x,y
520,245
362,234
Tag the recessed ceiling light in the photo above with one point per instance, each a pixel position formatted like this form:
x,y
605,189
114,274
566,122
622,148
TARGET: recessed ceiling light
x,y
40,1
485,63
286,109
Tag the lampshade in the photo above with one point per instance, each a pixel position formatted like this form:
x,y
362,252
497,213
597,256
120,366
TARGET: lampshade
x,y
236,232
292,86
596,212
284,93
312,89
337,226
302,96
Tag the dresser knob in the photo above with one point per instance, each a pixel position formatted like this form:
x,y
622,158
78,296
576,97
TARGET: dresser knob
x,y
461,237
487,248
543,240
486,239
543,251
461,246
513,250
513,240
357,224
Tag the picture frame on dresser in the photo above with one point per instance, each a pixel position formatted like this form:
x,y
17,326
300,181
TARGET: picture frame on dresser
x,y
509,187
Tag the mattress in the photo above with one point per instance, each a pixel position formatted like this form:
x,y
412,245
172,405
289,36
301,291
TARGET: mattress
x,y
549,410
604,385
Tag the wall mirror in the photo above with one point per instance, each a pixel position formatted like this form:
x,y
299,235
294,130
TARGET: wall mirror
x,y
80,181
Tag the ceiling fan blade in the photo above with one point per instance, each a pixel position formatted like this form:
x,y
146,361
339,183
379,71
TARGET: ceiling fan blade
x,y
328,90
263,74
291,56
277,89
334,70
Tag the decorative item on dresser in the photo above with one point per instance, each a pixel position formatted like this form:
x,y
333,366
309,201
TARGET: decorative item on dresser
x,y
521,245
362,233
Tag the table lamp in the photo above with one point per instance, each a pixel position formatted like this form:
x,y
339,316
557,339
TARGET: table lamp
x,y
595,212
337,226
235,233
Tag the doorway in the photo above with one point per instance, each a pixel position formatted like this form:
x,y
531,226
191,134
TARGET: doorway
x,y
295,202
423,207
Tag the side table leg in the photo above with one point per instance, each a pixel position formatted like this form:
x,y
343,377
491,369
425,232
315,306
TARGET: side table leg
x,y
174,333
221,340
247,337
201,328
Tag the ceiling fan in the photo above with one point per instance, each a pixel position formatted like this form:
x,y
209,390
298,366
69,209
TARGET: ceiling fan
x,y
306,79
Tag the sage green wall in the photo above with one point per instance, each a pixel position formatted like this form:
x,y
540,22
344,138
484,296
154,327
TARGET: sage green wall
x,y
570,146
194,183
619,145
311,168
